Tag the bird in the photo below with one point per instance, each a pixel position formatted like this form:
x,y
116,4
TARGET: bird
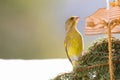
x,y
73,42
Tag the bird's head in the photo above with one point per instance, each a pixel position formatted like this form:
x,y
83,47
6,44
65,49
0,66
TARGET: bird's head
x,y
71,22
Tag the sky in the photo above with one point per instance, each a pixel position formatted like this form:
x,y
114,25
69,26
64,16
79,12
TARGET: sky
x,y
34,29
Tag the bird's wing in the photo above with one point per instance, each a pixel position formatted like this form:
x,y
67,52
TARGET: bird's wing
x,y
66,49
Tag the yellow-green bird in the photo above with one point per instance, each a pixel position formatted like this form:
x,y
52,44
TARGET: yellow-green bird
x,y
73,42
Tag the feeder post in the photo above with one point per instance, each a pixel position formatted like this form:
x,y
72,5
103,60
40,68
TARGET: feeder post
x,y
111,68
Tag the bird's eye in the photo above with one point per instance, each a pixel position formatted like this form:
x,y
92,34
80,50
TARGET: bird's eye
x,y
72,18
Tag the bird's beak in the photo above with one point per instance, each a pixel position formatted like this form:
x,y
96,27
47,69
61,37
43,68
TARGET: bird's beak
x,y
77,19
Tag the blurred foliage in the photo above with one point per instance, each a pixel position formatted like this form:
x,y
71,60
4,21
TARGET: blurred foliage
x,y
29,29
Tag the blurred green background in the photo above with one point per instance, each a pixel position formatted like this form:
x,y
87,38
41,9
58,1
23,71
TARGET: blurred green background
x,y
34,29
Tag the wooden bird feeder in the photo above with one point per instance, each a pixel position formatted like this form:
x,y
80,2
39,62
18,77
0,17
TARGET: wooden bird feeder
x,y
105,21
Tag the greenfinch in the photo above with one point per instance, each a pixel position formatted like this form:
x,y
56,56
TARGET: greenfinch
x,y
73,42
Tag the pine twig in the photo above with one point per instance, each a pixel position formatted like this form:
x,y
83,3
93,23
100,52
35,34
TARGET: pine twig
x,y
94,66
